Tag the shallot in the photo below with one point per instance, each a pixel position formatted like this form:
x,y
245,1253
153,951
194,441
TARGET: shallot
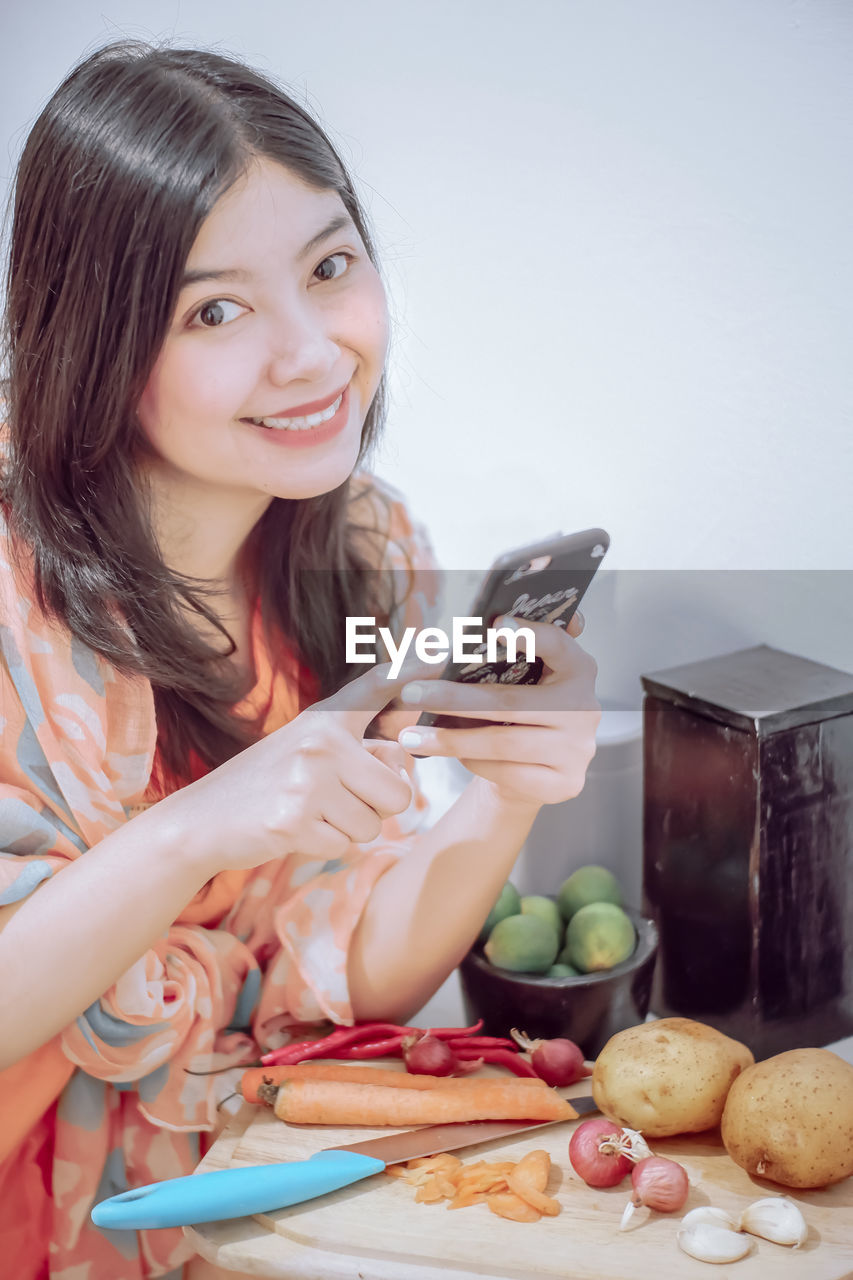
x,y
426,1055
598,1151
557,1062
659,1184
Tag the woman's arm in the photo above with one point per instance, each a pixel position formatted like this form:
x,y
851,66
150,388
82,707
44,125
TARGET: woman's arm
x,y
77,933
309,789
426,910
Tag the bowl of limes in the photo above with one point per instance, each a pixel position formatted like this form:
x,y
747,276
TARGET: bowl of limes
x,y
577,964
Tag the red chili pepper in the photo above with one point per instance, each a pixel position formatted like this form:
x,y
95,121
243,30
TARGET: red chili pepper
x,y
453,1033
499,1058
323,1047
481,1042
374,1048
331,1045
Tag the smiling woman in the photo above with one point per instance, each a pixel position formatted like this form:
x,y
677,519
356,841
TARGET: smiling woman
x,y
195,831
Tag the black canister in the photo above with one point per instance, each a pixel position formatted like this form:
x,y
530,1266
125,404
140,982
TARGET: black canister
x,y
748,846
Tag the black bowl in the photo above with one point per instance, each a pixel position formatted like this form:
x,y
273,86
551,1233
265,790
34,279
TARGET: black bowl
x,y
588,1009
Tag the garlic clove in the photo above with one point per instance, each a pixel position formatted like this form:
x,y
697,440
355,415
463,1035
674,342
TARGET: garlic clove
x,y
714,1217
711,1243
775,1218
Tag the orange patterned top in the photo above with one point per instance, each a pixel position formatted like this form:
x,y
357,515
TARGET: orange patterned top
x,y
254,953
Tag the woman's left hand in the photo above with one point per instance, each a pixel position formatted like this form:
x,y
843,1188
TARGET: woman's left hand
x,y
539,749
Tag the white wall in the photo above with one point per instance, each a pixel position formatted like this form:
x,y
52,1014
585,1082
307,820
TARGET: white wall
x,y
617,236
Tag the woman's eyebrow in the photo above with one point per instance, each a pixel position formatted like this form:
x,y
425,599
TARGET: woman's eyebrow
x,y
337,223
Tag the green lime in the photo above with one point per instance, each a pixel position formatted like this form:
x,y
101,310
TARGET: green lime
x,y
588,884
562,971
508,904
546,909
599,936
525,944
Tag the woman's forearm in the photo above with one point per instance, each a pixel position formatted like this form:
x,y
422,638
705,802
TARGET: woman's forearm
x,y
426,910
74,936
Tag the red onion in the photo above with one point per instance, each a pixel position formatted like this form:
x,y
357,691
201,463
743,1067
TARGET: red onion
x,y
557,1062
658,1183
426,1055
598,1152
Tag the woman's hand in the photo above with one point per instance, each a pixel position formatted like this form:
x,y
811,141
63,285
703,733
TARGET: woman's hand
x,y
539,749
313,786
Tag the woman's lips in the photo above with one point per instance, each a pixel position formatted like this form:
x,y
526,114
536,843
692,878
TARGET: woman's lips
x,y
302,410
307,436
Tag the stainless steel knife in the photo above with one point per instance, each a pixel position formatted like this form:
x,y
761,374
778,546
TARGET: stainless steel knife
x,y
231,1193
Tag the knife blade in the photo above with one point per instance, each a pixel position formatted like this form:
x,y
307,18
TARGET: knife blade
x,y
231,1193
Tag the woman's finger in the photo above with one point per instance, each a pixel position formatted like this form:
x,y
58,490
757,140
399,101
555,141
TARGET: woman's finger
x,y
350,815
520,703
391,754
557,649
489,742
534,783
374,782
325,840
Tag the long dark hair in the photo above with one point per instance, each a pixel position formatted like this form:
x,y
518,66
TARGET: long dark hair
x,y
119,172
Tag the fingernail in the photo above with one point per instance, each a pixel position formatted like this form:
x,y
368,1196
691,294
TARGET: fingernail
x,y
410,738
412,693
513,624
404,774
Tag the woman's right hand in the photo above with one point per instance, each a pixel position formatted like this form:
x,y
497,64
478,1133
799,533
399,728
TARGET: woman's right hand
x,y
312,787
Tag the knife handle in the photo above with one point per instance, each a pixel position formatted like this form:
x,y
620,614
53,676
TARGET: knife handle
x,y
231,1193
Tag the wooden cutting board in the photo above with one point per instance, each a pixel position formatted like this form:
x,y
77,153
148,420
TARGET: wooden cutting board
x,y
374,1230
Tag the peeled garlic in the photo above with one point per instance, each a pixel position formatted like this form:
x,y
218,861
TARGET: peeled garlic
x,y
711,1243
776,1219
714,1217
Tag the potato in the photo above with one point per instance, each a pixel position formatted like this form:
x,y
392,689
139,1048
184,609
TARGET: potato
x,y
790,1118
666,1077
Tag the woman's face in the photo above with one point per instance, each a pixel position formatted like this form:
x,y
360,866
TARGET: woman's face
x,y
275,350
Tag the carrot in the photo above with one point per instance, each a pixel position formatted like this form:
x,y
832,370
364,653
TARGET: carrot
x,y
507,1204
341,1103
534,1168
529,1179
256,1076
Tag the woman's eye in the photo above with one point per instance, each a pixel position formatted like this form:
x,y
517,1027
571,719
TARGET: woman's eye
x,y
219,311
332,267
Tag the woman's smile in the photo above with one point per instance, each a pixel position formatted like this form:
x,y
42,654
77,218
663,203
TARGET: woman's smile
x,y
305,432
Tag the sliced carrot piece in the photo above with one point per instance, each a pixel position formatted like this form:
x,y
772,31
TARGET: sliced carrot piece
x,y
509,1205
534,1168
536,1199
463,1198
428,1194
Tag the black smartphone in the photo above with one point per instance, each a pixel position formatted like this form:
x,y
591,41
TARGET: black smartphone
x,y
544,582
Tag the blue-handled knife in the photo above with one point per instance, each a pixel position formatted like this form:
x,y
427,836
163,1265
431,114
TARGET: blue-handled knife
x,y
231,1193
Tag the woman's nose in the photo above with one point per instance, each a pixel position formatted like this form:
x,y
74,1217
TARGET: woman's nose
x,y
302,348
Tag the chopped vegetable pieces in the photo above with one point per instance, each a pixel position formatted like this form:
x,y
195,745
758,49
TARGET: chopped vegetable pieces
x,y
510,1189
